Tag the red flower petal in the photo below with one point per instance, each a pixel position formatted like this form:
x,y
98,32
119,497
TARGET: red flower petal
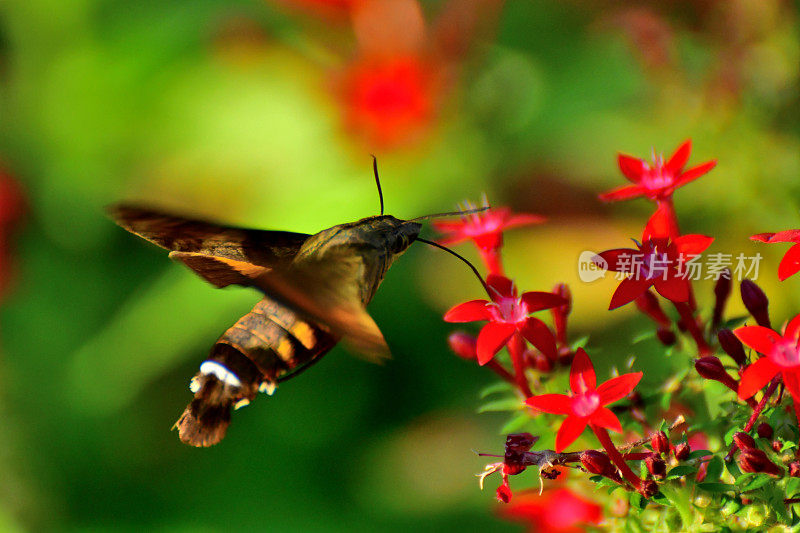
x,y
538,334
792,328
694,173
631,167
523,219
538,300
692,245
788,235
618,259
679,158
763,237
449,225
629,289
617,388
581,374
791,379
468,312
756,376
605,418
501,285
557,404
790,263
661,225
492,337
570,430
758,338
673,289
625,192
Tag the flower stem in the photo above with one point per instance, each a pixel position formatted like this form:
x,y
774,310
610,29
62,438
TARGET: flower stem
x,y
516,347
688,319
615,456
757,411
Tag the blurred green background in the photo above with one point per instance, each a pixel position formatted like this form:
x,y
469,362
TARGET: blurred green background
x,y
264,114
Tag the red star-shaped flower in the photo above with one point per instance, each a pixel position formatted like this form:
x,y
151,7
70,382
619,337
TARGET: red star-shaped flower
x,y
782,357
656,181
555,511
508,314
486,228
790,264
659,262
586,403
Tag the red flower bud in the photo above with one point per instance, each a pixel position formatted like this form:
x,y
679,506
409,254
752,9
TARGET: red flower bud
x,y
710,367
463,345
656,466
666,336
756,302
682,451
753,461
777,446
648,488
764,430
794,469
597,463
561,313
732,346
722,290
743,441
540,361
659,442
520,441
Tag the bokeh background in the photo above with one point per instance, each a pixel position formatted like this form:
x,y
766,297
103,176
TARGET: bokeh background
x,y
264,114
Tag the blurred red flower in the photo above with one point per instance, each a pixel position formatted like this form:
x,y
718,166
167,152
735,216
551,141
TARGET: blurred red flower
x,y
659,180
790,264
586,403
782,357
555,511
12,206
659,262
508,315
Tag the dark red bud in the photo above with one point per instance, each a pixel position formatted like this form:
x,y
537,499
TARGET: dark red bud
x,y
656,466
682,451
794,469
659,442
666,336
743,441
597,463
648,488
561,313
520,441
463,345
648,304
710,367
777,446
722,290
541,362
756,302
752,460
729,342
764,430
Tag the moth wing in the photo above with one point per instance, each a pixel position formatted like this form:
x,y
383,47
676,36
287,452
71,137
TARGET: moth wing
x,y
323,291
272,249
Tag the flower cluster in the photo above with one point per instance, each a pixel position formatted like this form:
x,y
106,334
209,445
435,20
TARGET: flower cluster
x,y
676,456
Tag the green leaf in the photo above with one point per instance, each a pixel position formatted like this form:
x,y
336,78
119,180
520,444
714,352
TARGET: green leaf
x,y
517,422
756,482
580,343
643,336
699,453
506,404
716,487
775,501
714,469
494,388
681,470
791,487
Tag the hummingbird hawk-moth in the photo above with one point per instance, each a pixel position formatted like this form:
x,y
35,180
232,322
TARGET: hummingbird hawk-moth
x,y
315,291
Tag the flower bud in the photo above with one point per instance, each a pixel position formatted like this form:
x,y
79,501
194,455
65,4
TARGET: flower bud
x,y
764,430
656,466
756,302
520,441
561,313
539,361
682,451
753,460
732,346
648,488
743,441
667,337
463,345
659,442
794,469
777,446
710,367
722,290
597,463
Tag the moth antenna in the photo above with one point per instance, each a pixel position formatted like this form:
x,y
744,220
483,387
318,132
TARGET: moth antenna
x,y
470,265
452,213
377,179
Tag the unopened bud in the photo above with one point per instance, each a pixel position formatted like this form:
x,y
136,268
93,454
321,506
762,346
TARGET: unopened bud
x,y
732,346
710,367
753,460
597,463
463,345
561,313
647,303
520,441
764,430
722,290
659,442
540,361
756,302
667,337
656,466
648,488
682,451
777,446
794,469
743,441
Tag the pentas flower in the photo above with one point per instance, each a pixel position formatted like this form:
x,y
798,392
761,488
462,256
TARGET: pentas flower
x,y
586,404
790,264
508,315
485,229
656,181
782,357
554,511
660,261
